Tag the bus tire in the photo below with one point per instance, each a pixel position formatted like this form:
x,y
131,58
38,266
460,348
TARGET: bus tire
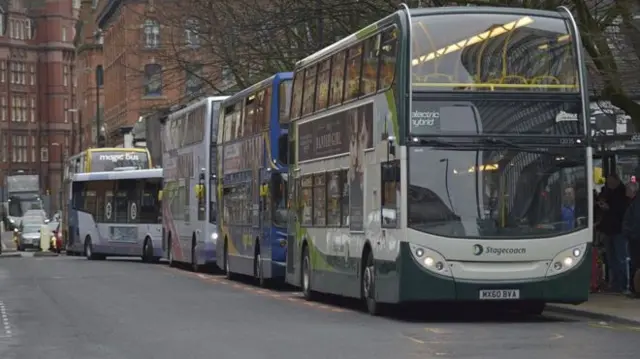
x,y
258,272
368,283
225,258
88,250
147,251
305,277
194,262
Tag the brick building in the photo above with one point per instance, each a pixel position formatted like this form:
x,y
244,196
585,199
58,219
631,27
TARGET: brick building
x,y
36,88
90,73
139,77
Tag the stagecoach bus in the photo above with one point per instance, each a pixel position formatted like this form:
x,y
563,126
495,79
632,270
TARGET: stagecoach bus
x,y
442,154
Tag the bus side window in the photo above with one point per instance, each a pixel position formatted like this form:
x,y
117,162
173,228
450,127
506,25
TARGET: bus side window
x,y
150,207
390,194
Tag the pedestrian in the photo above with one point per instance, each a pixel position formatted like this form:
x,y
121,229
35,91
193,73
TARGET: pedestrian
x,y
631,232
616,251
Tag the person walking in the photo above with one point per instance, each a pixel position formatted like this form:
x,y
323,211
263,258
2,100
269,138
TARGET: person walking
x,y
616,251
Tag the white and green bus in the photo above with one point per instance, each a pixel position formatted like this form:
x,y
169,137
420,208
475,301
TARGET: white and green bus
x,y
443,154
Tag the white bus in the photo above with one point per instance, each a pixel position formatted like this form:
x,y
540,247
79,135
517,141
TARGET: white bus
x,y
189,205
118,213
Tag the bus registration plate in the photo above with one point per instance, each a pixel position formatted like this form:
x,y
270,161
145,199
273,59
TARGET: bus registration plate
x,y
499,294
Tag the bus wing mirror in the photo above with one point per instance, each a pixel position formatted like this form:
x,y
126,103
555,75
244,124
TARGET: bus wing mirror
x,y
264,190
160,195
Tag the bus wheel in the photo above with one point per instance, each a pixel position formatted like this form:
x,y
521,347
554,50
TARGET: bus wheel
x,y
369,285
225,258
88,249
194,261
172,263
147,251
306,275
257,269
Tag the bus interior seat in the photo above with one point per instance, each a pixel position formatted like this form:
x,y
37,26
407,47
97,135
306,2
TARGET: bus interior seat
x,y
513,80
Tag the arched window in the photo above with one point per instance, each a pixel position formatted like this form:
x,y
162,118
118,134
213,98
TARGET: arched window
x,y
99,76
151,34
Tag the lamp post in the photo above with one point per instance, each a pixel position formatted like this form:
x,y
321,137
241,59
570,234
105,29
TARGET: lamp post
x,y
61,161
74,122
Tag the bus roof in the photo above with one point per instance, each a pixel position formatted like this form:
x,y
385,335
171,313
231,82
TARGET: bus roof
x,y
281,76
195,104
117,175
444,10
110,149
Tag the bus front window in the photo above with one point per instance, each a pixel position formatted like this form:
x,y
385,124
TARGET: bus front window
x,y
497,192
279,195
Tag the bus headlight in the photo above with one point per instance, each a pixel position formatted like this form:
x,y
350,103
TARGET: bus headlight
x,y
567,259
430,260
214,237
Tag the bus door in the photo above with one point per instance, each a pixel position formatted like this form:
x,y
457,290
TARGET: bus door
x,y
264,220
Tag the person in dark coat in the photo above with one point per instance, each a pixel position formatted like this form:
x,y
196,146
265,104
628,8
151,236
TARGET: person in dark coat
x,y
631,232
614,209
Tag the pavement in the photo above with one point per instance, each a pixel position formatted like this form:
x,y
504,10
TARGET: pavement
x,y
70,308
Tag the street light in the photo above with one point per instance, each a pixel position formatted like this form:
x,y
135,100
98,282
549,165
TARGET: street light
x,y
56,144
74,122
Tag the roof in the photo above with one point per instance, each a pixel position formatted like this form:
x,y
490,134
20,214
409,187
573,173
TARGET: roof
x,y
251,89
117,175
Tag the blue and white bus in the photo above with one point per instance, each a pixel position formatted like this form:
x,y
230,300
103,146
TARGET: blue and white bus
x,y
189,161
252,185
118,213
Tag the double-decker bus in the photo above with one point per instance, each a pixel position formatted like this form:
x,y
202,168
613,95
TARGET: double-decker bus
x,y
189,197
119,213
253,145
437,162
102,159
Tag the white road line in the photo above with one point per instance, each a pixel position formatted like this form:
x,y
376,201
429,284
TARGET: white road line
x,y
8,333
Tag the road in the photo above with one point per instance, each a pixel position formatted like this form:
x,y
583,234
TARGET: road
x,y
70,308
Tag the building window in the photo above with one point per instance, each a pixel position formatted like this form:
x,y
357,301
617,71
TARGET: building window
x,y
3,108
192,33
64,34
66,111
193,79
5,147
152,80
33,149
13,72
151,34
12,26
100,76
3,71
2,18
23,109
32,70
28,30
19,149
33,110
44,154
65,75
22,73
65,151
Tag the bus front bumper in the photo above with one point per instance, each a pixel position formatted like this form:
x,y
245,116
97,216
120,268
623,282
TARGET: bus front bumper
x,y
417,284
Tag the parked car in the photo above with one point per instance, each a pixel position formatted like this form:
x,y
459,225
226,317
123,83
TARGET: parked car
x,y
29,236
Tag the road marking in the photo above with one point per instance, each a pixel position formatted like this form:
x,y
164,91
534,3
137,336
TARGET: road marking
x,y
415,340
8,333
438,330
556,336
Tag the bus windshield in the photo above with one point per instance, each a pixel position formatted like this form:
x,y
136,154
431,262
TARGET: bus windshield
x,y
497,192
501,52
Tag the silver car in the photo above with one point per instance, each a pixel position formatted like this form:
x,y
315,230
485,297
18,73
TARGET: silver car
x,y
29,236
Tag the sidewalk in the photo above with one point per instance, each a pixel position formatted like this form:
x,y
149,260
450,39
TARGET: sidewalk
x,y
607,307
6,241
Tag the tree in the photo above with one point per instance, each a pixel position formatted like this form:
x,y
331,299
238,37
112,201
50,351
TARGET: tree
x,y
240,42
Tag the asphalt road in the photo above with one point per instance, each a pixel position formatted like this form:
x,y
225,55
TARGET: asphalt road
x,y
70,308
